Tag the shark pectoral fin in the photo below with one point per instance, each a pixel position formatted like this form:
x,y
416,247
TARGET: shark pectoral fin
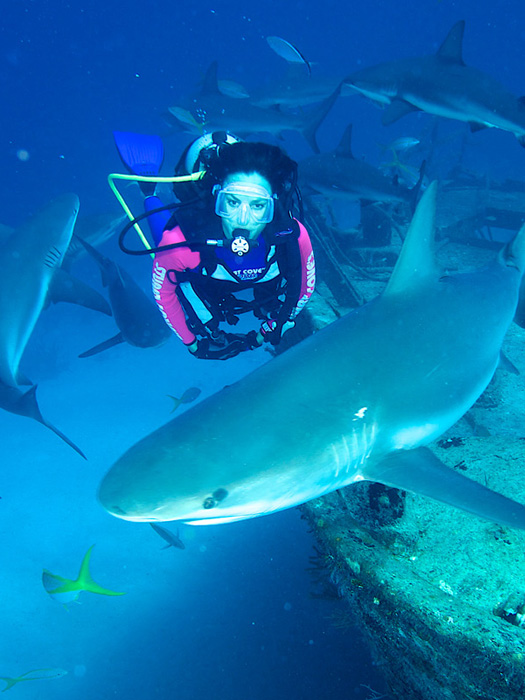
x,y
111,342
395,110
65,287
420,471
476,126
506,364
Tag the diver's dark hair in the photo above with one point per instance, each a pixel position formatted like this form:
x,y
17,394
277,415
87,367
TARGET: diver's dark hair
x,y
256,157
241,157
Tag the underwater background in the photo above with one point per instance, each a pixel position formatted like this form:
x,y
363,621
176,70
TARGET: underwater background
x,y
232,615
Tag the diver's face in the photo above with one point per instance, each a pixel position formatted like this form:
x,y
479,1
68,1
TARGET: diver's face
x,y
245,205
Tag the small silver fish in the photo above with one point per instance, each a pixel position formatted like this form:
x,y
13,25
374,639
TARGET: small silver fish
x,y
288,51
233,89
187,397
172,539
39,674
403,143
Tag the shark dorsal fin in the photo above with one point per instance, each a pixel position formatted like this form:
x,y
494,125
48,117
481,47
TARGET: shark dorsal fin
x,y
210,85
344,149
451,50
416,263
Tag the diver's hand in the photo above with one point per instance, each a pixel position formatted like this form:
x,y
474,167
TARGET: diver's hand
x,y
221,346
272,331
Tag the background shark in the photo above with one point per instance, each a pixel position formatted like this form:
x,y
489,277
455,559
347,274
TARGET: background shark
x,y
297,89
211,109
137,316
29,259
338,175
355,401
442,85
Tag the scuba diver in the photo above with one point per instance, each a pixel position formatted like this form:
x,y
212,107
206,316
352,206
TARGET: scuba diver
x,y
232,245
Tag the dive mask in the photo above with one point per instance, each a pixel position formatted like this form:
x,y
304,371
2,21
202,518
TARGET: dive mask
x,y
245,202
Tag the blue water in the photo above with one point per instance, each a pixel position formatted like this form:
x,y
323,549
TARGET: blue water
x,y
231,616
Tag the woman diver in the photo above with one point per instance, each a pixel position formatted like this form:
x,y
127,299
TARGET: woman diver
x,y
232,246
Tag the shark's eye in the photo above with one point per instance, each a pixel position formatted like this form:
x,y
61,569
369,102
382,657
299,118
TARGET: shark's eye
x,y
217,496
220,494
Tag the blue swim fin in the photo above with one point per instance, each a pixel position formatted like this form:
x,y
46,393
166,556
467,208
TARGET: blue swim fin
x,y
142,154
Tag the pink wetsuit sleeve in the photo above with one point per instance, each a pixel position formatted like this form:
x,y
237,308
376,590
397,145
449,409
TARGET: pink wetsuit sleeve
x,y
307,270
164,289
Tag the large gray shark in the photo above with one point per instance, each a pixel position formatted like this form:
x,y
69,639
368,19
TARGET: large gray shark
x,y
28,261
356,401
338,175
442,85
211,110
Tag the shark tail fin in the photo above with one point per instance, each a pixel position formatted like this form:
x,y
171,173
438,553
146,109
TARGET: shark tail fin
x,y
420,471
65,287
27,405
85,580
317,117
63,437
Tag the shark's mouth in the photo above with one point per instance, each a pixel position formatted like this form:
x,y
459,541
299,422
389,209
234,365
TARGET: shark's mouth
x,y
218,519
221,520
